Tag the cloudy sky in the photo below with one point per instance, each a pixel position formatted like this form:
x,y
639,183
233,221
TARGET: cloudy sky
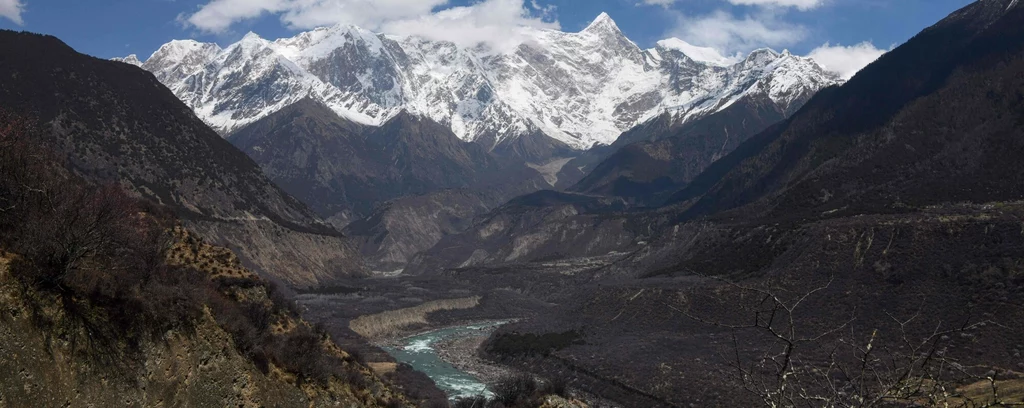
x,y
844,35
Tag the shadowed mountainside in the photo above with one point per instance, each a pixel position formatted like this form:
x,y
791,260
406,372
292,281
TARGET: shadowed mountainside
x,y
117,123
344,170
667,156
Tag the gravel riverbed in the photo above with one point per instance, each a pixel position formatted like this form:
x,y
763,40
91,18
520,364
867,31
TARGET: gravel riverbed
x,y
461,352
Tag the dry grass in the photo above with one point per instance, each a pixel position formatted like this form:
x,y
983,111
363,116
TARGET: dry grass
x,y
1010,392
191,251
390,323
382,369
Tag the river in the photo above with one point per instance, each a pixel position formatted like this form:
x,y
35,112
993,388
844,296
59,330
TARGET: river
x,y
418,351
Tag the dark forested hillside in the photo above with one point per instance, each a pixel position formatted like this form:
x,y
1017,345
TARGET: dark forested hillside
x,y
115,123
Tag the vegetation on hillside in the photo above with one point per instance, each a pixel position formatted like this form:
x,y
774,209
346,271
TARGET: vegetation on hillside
x,y
110,275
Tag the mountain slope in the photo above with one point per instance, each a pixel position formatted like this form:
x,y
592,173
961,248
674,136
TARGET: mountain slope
x,y
641,169
648,171
580,89
195,363
937,120
344,170
401,228
117,124
302,148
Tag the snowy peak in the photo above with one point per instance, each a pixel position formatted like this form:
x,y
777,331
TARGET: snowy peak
x,y
250,43
251,37
179,50
582,88
603,23
762,56
321,42
605,29
700,54
131,60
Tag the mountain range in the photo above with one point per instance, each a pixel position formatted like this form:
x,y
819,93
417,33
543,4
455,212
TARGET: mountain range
x,y
348,120
660,227
581,89
895,196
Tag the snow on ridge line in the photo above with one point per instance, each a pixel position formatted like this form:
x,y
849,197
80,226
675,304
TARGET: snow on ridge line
x,y
700,54
580,89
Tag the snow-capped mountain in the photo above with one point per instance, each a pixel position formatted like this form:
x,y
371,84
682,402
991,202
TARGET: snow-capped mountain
x,y
582,88
131,59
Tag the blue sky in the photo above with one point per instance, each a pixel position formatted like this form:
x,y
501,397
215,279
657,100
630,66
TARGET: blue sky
x,y
108,28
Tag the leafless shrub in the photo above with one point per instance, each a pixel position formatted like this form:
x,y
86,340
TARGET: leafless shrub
x,y
515,390
471,402
882,370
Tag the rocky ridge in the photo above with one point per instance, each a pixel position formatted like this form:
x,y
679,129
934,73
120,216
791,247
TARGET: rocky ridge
x,y
581,88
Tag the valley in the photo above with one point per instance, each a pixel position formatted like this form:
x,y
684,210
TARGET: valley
x,y
343,217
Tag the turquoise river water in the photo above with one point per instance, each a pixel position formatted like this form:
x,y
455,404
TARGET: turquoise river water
x,y
418,351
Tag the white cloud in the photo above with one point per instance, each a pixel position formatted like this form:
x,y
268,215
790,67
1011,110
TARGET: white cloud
x,y
497,23
846,60
730,34
12,9
218,16
493,22
800,4
663,3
